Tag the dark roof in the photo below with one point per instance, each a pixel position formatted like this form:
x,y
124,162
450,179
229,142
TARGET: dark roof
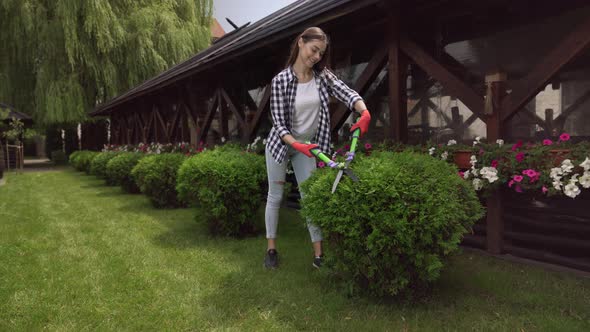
x,y
244,40
15,114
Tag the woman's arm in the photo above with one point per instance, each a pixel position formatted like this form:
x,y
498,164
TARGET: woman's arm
x,y
277,107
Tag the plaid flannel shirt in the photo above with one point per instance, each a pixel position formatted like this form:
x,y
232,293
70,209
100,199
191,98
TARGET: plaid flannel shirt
x,y
282,106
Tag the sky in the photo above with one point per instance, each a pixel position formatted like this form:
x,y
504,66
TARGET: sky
x,y
244,11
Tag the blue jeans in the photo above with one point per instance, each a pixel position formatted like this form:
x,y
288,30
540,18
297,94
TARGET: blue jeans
x,y
302,166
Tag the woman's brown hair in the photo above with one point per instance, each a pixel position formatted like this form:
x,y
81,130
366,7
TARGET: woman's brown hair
x,y
307,35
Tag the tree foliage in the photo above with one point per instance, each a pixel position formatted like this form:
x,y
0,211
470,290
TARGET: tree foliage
x,y
60,58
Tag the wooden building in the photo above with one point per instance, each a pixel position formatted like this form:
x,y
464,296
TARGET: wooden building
x,y
428,70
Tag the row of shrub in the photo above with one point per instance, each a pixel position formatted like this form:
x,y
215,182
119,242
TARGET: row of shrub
x,y
226,182
387,234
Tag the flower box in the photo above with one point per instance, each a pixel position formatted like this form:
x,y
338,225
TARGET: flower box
x,y
461,158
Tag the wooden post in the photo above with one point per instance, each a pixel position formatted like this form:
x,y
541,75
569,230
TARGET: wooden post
x,y
549,122
495,210
396,67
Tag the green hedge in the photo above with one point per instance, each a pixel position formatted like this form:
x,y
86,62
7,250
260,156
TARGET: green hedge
x,y
98,165
155,175
228,185
81,160
119,171
390,232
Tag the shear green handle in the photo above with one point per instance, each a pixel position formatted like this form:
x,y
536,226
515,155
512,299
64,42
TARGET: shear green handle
x,y
320,155
355,136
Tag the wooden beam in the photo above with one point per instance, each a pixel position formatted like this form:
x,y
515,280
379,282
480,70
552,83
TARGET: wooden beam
x,y
162,123
223,118
531,115
451,83
361,85
560,120
561,54
436,109
262,107
470,120
209,117
172,128
233,108
396,70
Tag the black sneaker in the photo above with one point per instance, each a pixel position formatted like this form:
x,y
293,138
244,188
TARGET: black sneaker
x,y
317,261
271,260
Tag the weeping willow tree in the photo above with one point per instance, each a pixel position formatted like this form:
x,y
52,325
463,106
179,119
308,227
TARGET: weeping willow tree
x,y
60,58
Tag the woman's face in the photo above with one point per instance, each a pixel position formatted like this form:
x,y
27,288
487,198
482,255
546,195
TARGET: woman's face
x,y
311,52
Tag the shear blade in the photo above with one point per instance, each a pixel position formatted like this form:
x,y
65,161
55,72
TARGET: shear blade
x,y
337,181
352,175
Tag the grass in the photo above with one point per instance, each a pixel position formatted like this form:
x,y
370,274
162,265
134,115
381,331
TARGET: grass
x,y
76,255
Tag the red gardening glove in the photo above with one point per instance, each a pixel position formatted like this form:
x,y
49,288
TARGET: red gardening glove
x,y
362,123
304,148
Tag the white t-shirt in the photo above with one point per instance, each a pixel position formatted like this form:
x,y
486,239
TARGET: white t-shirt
x,y
307,110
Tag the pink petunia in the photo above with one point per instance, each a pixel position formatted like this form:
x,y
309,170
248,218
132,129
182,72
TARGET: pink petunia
x,y
510,183
347,147
544,190
517,145
517,178
368,146
481,152
494,163
321,164
518,189
461,174
564,137
547,142
520,157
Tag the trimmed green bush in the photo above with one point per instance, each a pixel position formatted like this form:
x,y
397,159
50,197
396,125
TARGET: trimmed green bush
x,y
119,171
81,160
228,185
390,232
155,175
98,165
85,160
74,158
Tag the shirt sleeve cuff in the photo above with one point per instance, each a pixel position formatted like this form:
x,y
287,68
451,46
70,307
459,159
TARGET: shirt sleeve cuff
x,y
353,100
282,131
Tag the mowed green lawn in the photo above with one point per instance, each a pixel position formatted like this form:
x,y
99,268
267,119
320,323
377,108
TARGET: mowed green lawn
x,y
77,255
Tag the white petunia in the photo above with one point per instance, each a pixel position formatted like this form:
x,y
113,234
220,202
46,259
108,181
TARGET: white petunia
x,y
571,190
567,166
466,175
557,184
489,173
477,184
586,164
451,142
585,180
431,151
444,155
500,142
264,141
556,173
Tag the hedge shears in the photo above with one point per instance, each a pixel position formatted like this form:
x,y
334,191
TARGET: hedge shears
x,y
343,167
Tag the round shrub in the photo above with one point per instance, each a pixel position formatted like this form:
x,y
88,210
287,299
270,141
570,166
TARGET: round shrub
x,y
119,171
390,232
74,156
98,166
84,161
228,185
155,175
81,160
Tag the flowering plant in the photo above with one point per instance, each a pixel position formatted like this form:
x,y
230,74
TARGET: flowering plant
x,y
157,148
548,168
